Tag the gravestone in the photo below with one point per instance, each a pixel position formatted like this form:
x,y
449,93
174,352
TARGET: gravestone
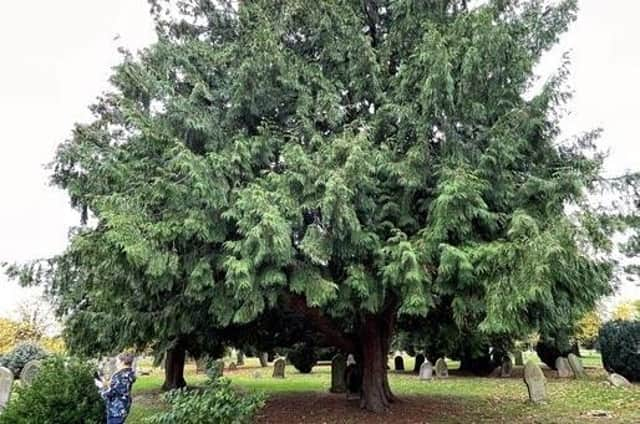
x,y
399,363
6,383
264,359
418,363
215,369
278,368
426,371
240,358
353,380
29,372
338,368
441,368
576,366
617,380
519,357
506,368
563,368
535,381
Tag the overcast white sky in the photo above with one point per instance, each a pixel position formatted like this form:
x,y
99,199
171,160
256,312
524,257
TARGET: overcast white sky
x,y
56,58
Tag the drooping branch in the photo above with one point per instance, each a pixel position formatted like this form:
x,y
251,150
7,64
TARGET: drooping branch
x,y
321,323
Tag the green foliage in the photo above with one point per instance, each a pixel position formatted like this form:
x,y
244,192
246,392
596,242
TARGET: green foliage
x,y
619,345
63,392
255,156
550,349
303,357
16,359
217,403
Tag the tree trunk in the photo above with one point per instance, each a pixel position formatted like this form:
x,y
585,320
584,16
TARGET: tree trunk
x,y
263,357
174,369
376,394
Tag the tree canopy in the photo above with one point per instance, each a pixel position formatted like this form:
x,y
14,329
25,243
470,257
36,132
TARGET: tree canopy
x,y
353,161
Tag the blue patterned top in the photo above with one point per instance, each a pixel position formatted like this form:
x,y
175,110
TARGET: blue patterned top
x,y
118,395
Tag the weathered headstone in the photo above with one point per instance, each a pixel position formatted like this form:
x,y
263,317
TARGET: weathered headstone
x,y
6,383
264,359
29,372
506,368
399,363
278,368
563,368
519,358
535,381
576,366
338,367
617,380
240,358
442,371
215,369
418,363
426,371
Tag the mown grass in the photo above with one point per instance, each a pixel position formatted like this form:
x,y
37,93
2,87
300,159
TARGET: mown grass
x,y
479,399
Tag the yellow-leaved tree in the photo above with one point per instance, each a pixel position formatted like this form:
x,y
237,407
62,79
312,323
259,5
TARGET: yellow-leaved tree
x,y
625,311
588,328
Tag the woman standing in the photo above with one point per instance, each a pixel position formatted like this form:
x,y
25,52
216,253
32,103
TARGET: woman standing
x,y
117,394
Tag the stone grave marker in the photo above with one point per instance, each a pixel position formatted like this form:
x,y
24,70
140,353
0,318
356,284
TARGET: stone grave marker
x,y
264,359
399,363
576,366
563,368
278,368
617,380
426,371
6,383
535,381
519,357
506,368
240,358
216,369
418,363
30,372
338,368
201,365
442,371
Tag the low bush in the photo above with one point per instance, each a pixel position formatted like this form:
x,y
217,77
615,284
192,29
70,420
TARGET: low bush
x,y
217,403
303,357
16,359
620,348
63,392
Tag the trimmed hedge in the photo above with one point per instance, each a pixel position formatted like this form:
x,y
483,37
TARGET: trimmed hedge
x,y
620,348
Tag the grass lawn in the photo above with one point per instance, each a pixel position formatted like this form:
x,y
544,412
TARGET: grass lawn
x,y
472,399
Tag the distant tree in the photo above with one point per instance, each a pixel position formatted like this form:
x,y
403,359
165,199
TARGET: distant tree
x,y
624,311
353,162
588,328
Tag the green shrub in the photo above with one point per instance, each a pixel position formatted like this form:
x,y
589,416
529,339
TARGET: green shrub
x,y
63,392
303,357
217,403
620,348
20,355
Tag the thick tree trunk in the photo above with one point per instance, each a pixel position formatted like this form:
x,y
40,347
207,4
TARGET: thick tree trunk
x,y
174,369
376,394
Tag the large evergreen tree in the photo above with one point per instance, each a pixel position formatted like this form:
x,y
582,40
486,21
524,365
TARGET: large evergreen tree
x,y
351,160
